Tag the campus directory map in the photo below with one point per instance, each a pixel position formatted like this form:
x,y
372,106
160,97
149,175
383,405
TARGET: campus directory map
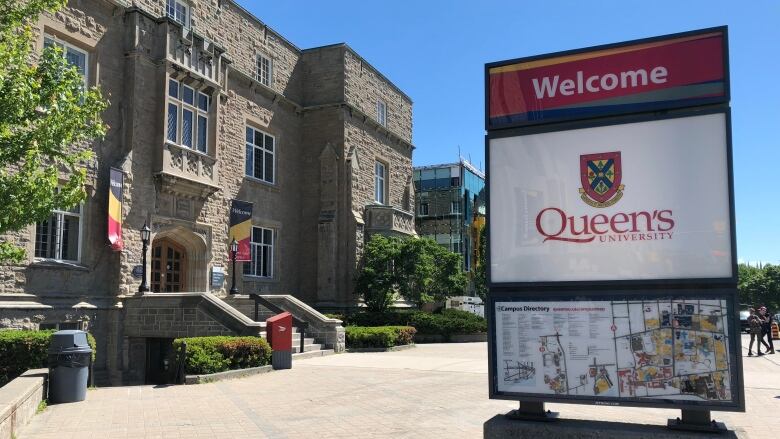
x,y
657,349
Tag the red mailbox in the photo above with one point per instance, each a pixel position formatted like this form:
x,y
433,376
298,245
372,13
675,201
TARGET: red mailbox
x,y
279,329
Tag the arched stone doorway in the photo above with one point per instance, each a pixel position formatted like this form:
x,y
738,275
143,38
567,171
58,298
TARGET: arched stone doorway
x,y
179,261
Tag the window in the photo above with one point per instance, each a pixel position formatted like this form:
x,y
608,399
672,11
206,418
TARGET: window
x,y
259,155
75,56
381,113
456,247
455,207
264,66
188,116
423,209
178,11
262,264
59,237
379,182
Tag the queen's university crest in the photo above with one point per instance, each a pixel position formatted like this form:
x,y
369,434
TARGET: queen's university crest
x,y
601,175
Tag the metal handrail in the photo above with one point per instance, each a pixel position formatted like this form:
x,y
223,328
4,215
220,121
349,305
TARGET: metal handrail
x,y
300,324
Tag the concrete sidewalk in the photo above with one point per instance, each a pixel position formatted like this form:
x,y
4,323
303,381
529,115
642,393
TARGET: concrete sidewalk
x,y
431,391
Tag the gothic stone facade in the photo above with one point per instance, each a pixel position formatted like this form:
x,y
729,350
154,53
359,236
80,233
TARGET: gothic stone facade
x,y
188,81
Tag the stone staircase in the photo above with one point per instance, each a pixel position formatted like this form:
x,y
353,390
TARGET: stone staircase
x,y
317,337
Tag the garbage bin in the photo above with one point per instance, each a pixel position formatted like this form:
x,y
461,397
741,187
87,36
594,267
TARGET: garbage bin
x,y
69,359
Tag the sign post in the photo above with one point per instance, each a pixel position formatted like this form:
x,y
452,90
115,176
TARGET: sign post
x,y
611,245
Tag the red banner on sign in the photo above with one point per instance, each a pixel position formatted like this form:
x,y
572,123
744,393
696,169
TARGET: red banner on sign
x,y
661,73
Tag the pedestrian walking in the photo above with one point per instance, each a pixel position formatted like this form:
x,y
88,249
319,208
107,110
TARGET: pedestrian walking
x,y
766,327
756,333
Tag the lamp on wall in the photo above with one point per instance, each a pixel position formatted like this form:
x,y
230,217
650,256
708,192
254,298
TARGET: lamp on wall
x,y
233,251
146,234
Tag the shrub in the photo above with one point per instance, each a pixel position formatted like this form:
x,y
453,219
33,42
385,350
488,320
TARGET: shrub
x,y
385,318
217,354
379,336
446,323
24,350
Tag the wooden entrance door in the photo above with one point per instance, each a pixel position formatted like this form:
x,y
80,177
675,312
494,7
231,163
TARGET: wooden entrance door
x,y
169,267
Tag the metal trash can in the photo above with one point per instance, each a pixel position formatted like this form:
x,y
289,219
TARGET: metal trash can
x,y
69,360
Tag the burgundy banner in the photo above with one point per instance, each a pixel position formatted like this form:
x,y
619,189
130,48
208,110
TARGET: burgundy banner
x,y
662,73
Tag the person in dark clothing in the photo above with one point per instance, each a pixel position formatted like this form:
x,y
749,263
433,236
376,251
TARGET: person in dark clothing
x,y
756,333
766,327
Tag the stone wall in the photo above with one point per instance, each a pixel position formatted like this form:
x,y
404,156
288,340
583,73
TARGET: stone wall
x,y
19,401
364,86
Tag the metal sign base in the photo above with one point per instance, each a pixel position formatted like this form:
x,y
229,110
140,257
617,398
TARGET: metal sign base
x,y
696,420
532,411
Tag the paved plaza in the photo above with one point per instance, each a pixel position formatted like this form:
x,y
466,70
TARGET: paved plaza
x,y
431,391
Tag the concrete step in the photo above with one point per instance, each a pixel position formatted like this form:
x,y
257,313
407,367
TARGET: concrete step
x,y
311,354
306,347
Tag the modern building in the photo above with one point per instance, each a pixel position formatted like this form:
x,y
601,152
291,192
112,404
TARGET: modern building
x,y
207,105
450,207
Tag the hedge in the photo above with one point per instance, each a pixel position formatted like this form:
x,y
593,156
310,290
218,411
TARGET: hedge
x,y
23,350
207,355
379,336
446,323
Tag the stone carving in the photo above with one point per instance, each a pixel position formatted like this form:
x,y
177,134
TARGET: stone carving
x,y
176,157
192,163
207,169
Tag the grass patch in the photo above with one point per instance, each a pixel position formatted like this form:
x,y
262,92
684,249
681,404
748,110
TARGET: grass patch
x,y
41,406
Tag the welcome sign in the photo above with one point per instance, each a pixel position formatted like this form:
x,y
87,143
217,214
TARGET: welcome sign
x,y
611,250
688,69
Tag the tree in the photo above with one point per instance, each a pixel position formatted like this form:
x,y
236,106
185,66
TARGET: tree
x,y
376,282
46,118
759,286
419,270
480,271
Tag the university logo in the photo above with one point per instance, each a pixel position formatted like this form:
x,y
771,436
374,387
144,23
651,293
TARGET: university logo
x,y
601,175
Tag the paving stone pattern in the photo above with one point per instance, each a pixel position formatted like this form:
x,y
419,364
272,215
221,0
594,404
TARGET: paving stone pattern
x,y
432,391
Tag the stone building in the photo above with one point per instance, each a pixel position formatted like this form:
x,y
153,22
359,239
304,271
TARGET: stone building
x,y
208,104
450,207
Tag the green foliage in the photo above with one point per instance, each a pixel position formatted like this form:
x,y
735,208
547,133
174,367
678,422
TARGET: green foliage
x,y
446,323
376,281
383,318
480,271
46,115
760,286
207,355
41,406
419,270
427,272
24,350
379,336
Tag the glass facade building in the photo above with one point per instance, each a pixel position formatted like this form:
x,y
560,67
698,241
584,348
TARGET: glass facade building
x,y
450,206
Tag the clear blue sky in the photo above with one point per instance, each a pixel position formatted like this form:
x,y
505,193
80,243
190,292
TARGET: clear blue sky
x,y
435,51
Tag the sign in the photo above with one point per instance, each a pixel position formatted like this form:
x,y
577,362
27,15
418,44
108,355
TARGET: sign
x,y
138,271
665,72
217,277
611,249
626,351
241,228
116,182
631,201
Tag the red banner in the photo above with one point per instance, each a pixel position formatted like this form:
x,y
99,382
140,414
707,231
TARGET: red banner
x,y
656,74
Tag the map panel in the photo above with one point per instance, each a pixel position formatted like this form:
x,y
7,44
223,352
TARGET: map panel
x,y
661,348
